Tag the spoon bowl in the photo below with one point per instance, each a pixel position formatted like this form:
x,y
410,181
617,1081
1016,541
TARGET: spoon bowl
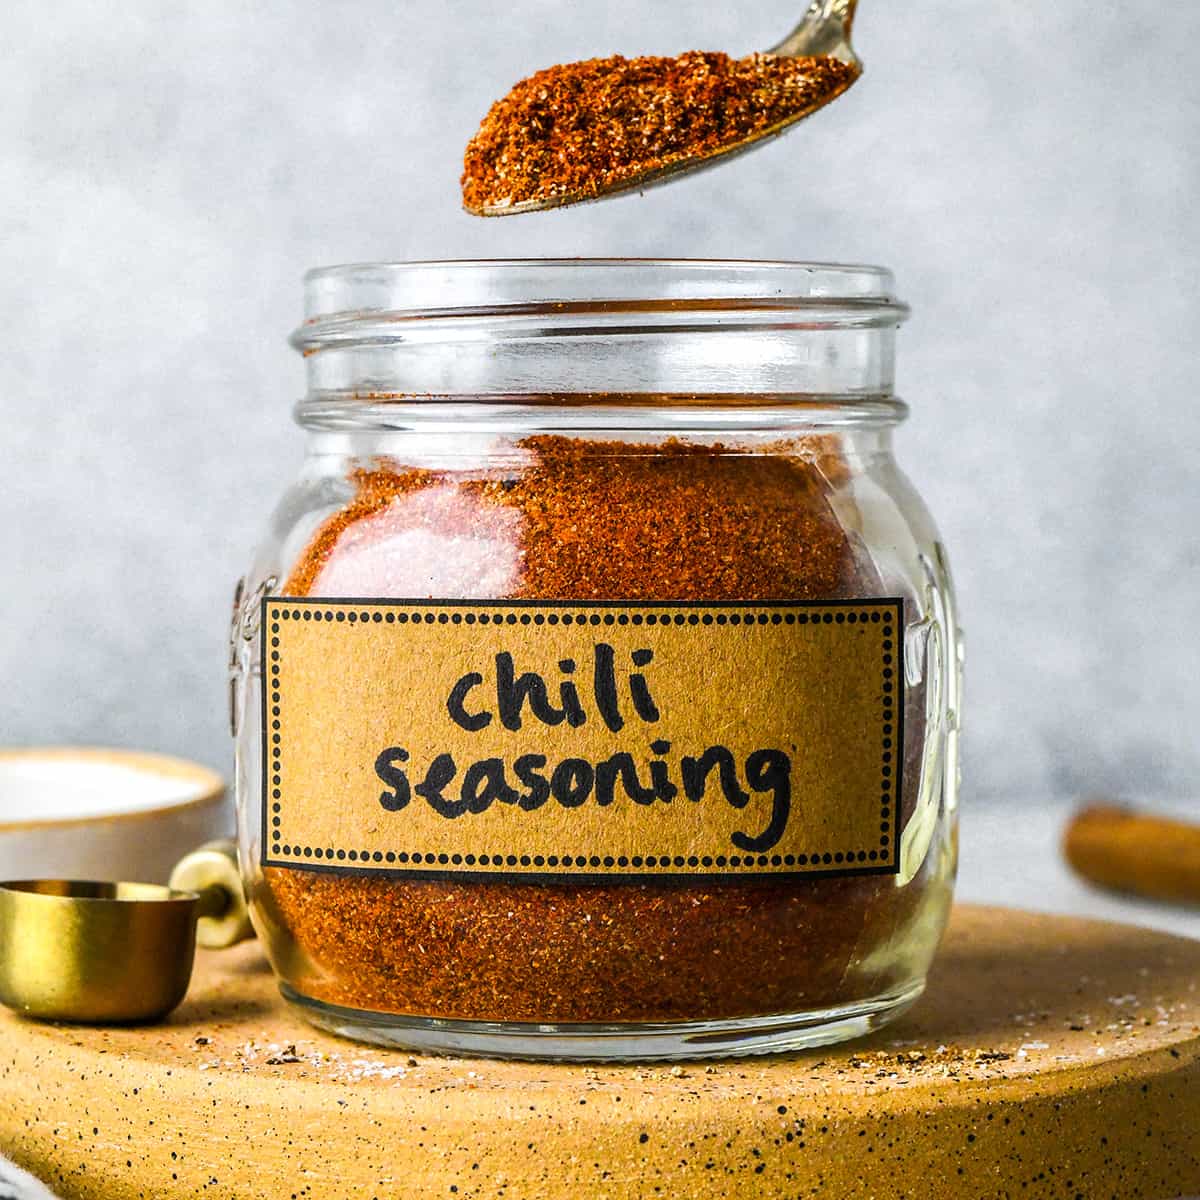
x,y
824,31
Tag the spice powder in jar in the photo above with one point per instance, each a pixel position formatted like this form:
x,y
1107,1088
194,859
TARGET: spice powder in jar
x,y
505,674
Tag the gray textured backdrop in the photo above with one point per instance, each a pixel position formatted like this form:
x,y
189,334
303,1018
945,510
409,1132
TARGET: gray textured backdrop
x,y
1031,171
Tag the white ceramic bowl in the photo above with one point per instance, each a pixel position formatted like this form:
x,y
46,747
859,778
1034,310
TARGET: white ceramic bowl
x,y
81,813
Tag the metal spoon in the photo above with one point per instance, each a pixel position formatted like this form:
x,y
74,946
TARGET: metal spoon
x,y
112,953
824,30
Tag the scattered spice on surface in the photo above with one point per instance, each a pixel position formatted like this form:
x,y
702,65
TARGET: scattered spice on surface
x,y
594,520
575,130
285,1056
943,1062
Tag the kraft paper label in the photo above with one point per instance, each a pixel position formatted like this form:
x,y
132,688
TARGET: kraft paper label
x,y
561,740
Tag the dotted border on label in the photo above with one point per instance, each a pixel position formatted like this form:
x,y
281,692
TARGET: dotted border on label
x,y
400,614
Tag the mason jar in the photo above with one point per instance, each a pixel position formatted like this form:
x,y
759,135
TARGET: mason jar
x,y
596,684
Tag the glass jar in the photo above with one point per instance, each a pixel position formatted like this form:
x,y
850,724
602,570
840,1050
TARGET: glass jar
x,y
596,686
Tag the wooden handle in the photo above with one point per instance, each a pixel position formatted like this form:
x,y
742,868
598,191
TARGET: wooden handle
x,y
1135,852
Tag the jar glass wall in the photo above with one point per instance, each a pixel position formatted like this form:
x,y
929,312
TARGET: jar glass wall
x,y
632,537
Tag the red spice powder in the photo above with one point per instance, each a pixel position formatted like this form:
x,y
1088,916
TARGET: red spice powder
x,y
599,521
572,131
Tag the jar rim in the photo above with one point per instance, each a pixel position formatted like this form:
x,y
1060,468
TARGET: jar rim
x,y
513,327
478,287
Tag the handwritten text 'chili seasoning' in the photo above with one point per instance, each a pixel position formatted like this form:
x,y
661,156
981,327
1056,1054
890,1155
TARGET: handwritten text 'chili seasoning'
x,y
573,131
590,520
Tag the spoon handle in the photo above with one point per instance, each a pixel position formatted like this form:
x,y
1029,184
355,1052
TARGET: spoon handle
x,y
824,29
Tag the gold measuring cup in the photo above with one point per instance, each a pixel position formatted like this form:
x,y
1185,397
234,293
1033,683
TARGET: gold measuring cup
x,y
109,953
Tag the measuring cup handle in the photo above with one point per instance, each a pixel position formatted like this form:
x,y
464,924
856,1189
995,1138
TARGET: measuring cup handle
x,y
212,872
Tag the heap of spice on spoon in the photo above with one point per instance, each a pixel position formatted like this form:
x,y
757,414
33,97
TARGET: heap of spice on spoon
x,y
586,130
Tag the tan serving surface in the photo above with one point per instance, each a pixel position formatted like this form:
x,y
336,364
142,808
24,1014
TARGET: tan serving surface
x,y
1051,1057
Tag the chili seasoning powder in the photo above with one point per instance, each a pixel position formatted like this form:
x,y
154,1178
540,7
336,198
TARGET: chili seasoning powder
x,y
594,520
582,128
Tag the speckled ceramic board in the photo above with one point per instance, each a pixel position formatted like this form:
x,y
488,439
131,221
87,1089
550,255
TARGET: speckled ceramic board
x,y
1049,1058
